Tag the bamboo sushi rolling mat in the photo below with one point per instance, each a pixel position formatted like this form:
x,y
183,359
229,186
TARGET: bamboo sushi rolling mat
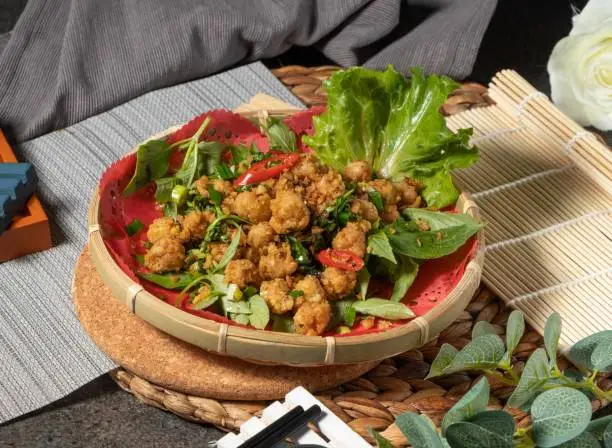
x,y
556,252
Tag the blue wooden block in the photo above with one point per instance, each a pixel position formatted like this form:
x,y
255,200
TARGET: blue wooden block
x,y
17,184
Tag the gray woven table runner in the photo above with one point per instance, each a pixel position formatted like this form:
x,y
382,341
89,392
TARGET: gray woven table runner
x,y
44,353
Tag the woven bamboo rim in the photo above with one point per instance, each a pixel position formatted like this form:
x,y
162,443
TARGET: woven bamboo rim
x,y
282,348
397,385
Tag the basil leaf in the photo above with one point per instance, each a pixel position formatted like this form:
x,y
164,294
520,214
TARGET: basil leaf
x,y
376,199
418,431
281,138
298,251
378,244
448,232
534,375
240,318
240,153
404,276
260,314
472,403
134,227
214,196
552,331
230,252
363,280
282,324
484,352
207,302
383,308
349,316
169,280
338,312
582,350
296,293
201,159
225,172
139,259
164,187
559,415
152,163
444,358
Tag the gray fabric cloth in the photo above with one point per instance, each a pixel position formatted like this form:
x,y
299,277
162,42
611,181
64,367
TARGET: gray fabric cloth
x,y
44,353
69,59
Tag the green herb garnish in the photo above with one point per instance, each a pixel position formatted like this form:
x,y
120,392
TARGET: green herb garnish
x,y
296,293
134,227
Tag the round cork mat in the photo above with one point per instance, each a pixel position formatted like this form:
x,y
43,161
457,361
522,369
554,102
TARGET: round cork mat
x,y
177,365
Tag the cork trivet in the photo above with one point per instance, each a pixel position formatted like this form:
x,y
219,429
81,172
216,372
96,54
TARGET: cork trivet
x,y
151,354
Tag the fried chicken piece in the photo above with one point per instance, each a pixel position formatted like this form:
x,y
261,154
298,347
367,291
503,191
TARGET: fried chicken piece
x,y
276,294
359,171
408,190
307,169
276,261
224,187
390,213
289,213
364,209
387,190
338,283
194,225
312,289
162,228
260,235
242,273
202,186
312,318
249,205
352,238
324,190
166,255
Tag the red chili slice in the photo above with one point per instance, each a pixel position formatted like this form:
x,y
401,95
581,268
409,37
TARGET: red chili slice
x,y
341,259
267,169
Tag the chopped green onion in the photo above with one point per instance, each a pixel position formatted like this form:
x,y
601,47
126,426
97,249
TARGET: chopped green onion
x,y
179,194
134,227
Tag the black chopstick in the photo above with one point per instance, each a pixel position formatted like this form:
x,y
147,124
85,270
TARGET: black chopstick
x,y
281,428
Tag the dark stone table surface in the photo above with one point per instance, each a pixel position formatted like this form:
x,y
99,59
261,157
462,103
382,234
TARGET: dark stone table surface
x,y
521,36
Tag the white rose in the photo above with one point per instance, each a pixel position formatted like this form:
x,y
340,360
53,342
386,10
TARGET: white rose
x,y
580,67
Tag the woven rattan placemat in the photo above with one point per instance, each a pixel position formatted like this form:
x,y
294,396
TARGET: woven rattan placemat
x,y
395,386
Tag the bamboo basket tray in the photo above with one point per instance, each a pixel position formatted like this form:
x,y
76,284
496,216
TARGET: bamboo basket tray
x,y
274,347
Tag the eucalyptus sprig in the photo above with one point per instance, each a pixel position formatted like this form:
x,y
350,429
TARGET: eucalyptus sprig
x,y
558,401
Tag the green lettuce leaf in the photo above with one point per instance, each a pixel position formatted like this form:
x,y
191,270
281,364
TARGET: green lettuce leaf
x,y
395,124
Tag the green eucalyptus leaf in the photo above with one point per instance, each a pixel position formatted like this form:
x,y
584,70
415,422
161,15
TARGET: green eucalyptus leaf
x,y
535,374
552,331
260,314
607,436
470,435
152,163
584,440
582,351
418,431
445,357
381,442
497,421
482,328
602,356
559,415
383,308
472,403
514,332
598,427
378,244
484,352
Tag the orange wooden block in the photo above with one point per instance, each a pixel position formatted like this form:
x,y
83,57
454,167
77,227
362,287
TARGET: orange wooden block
x,y
28,232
